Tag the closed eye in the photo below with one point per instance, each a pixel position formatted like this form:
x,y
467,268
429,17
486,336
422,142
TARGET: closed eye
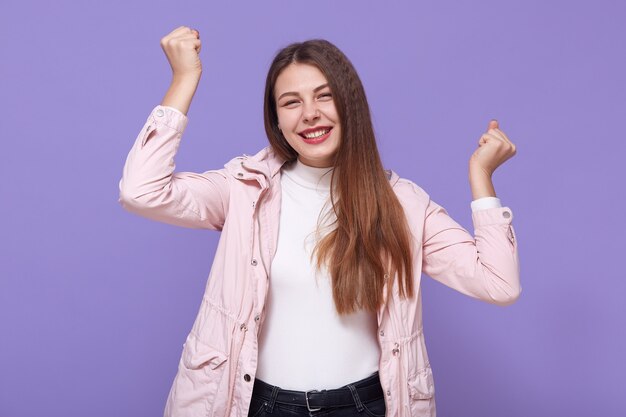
x,y
295,101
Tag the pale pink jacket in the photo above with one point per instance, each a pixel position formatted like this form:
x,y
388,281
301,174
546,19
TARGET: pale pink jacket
x,y
219,358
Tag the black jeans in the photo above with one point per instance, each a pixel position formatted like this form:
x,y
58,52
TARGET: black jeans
x,y
262,406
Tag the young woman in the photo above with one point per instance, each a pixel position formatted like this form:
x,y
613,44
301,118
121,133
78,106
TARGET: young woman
x,y
312,304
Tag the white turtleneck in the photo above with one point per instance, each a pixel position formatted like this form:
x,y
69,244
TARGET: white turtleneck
x,y
304,344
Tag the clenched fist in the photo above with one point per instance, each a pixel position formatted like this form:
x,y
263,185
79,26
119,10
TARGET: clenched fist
x,y
494,147
182,48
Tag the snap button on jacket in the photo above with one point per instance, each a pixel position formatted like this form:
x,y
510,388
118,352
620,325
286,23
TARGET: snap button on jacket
x,y
242,200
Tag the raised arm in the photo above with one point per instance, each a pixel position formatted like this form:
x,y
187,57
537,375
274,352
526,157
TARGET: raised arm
x,y
486,265
149,186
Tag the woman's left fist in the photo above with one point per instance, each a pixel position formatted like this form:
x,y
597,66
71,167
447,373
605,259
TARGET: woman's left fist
x,y
494,147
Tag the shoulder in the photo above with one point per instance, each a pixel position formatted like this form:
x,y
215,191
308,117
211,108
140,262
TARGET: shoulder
x,y
407,190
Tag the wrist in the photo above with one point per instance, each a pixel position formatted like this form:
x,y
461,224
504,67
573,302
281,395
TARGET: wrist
x,y
481,184
477,171
187,79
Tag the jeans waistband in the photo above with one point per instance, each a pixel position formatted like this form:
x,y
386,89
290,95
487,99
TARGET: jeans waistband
x,y
364,390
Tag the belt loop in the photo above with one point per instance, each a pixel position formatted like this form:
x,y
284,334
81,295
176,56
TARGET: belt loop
x,y
355,396
270,405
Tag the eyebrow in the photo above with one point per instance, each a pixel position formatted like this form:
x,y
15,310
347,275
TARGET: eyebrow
x,y
293,93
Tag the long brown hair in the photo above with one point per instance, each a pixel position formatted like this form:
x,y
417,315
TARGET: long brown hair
x,y
371,240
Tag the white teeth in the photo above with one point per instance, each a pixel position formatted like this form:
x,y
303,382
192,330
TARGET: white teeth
x,y
316,134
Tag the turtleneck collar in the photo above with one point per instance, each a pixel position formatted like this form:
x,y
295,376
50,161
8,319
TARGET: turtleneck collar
x,y
308,176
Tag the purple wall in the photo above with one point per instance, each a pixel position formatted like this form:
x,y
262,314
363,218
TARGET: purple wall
x,y
95,303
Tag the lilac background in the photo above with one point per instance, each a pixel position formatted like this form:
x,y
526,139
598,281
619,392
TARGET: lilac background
x,y
95,303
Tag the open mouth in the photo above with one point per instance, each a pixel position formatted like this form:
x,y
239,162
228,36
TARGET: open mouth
x,y
316,134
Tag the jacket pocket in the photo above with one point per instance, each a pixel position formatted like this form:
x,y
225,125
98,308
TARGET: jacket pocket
x,y
421,393
197,354
421,384
201,383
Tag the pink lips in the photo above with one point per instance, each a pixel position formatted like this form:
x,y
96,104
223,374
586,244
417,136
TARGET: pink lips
x,y
318,139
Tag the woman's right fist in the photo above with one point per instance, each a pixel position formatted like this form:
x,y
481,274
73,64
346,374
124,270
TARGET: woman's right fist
x,y
182,48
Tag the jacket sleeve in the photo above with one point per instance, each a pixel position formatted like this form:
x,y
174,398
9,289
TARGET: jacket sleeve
x,y
485,266
150,188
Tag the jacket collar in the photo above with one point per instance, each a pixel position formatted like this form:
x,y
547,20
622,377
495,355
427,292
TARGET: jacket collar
x,y
265,162
268,163
392,177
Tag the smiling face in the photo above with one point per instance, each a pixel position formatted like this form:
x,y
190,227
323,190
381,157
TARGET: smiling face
x,y
307,115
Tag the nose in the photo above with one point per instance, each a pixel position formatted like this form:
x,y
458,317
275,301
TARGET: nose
x,y
310,112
